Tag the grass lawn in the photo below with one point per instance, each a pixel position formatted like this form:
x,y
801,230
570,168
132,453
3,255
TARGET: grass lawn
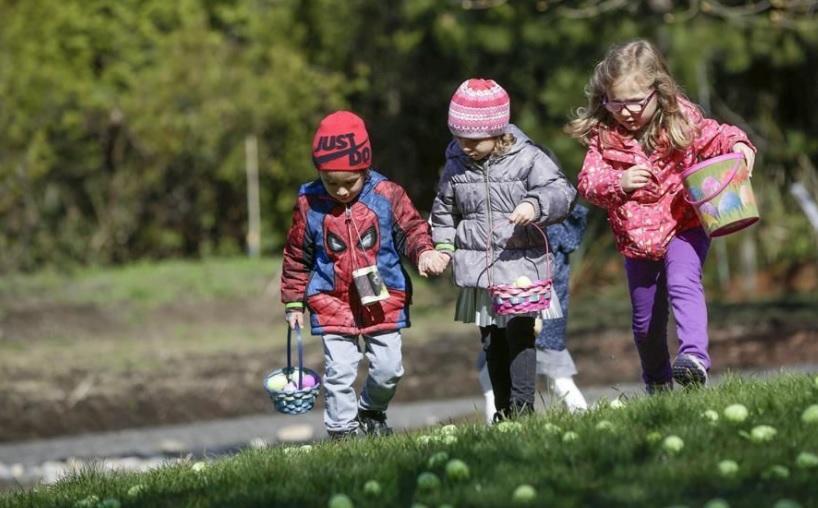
x,y
145,285
116,319
652,452
137,316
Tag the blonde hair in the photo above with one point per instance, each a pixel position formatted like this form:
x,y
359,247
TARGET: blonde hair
x,y
503,143
641,59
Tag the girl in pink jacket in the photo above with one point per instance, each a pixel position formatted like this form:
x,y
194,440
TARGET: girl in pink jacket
x,y
642,133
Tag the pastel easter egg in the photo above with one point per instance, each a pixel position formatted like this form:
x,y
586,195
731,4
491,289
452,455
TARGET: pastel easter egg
x,y
729,202
428,481
673,444
524,494
289,388
340,501
710,185
438,459
275,383
372,488
806,460
736,412
776,472
747,196
522,282
457,470
695,193
308,381
810,415
728,467
708,209
762,433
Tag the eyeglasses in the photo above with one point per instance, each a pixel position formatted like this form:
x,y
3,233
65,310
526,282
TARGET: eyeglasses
x,y
634,106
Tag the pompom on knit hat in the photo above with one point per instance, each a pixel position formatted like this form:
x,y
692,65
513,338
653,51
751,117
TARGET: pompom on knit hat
x,y
479,108
341,143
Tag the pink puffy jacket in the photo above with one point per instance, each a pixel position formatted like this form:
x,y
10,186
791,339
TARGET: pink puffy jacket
x,y
645,220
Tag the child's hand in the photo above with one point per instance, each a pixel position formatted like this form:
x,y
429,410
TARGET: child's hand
x,y
432,262
635,177
295,317
748,153
523,214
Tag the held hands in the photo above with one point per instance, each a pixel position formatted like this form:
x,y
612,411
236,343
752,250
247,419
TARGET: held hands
x,y
432,262
635,177
524,214
295,317
748,153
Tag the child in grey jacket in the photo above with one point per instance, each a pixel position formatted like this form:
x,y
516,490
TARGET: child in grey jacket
x,y
495,183
554,362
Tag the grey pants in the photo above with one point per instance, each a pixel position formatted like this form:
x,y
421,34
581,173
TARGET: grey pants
x,y
342,353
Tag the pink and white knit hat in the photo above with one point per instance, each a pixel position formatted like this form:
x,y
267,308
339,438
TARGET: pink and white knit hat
x,y
479,108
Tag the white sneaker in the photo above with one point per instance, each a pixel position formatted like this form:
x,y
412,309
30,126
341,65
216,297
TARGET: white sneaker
x,y
567,391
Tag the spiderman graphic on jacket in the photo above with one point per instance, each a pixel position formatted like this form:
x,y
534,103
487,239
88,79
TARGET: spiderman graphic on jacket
x,y
328,240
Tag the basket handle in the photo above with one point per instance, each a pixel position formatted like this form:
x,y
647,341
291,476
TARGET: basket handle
x,y
723,186
300,345
490,252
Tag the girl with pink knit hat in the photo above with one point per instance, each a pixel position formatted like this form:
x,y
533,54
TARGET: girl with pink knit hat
x,y
495,184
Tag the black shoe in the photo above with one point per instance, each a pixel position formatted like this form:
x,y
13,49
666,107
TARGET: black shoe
x,y
520,408
654,388
499,416
373,423
336,435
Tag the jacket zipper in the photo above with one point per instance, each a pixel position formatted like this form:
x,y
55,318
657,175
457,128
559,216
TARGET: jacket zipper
x,y
352,246
491,223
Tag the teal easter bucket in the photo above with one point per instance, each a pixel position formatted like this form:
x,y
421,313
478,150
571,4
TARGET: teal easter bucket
x,y
719,189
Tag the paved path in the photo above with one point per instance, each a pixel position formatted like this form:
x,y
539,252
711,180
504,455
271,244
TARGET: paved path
x,y
224,436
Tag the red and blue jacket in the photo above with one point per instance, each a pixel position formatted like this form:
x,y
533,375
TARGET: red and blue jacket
x,y
329,239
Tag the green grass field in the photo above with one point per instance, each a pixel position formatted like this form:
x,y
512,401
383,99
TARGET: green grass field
x,y
145,285
610,456
126,314
138,289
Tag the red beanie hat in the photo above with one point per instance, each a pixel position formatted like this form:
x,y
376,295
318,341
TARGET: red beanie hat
x,y
341,143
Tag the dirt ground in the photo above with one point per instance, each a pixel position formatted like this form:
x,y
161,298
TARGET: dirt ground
x,y
226,385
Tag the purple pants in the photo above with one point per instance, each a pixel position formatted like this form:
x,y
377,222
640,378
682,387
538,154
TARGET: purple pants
x,y
678,278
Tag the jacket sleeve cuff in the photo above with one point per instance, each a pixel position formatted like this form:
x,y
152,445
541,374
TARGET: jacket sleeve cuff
x,y
294,306
536,204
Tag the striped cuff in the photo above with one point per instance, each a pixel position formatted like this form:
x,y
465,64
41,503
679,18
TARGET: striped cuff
x,y
292,306
445,247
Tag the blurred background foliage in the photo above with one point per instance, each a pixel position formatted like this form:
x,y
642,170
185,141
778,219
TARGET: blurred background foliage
x,y
123,122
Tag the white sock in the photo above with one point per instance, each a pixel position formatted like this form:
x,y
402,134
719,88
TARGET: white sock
x,y
567,391
488,394
490,410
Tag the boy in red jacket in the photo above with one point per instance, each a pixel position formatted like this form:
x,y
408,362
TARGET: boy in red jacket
x,y
342,262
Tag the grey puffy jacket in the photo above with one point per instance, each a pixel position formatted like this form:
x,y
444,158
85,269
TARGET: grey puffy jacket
x,y
474,197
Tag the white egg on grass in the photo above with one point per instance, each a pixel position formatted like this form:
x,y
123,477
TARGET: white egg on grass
x,y
673,444
736,413
810,415
428,481
457,470
728,468
524,494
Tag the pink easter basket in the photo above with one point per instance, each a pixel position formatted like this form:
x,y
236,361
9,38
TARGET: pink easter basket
x,y
509,299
